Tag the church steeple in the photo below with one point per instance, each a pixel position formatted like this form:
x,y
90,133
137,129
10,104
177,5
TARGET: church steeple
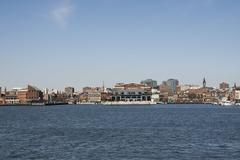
x,y
204,83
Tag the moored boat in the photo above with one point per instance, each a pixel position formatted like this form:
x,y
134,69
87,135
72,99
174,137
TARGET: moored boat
x,y
227,103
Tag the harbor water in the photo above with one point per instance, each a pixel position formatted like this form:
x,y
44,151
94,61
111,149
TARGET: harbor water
x,y
95,132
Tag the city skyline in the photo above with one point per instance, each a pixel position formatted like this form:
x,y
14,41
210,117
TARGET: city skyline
x,y
53,44
148,82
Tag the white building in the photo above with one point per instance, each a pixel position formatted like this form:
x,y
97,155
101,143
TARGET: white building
x,y
94,96
237,95
155,95
189,87
131,92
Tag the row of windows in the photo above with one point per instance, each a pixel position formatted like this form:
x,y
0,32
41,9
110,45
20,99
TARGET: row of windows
x,y
132,93
148,98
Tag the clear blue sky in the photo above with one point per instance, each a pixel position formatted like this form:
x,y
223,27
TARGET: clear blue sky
x,y
58,43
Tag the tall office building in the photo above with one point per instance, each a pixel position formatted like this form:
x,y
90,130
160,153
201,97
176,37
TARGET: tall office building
x,y
173,83
69,91
150,83
224,86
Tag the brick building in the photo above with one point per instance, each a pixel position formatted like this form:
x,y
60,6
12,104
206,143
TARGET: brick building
x,y
29,94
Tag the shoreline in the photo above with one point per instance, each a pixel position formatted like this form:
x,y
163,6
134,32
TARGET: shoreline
x,y
109,104
35,104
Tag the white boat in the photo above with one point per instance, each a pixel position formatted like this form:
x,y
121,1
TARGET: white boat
x,y
227,103
237,104
215,103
